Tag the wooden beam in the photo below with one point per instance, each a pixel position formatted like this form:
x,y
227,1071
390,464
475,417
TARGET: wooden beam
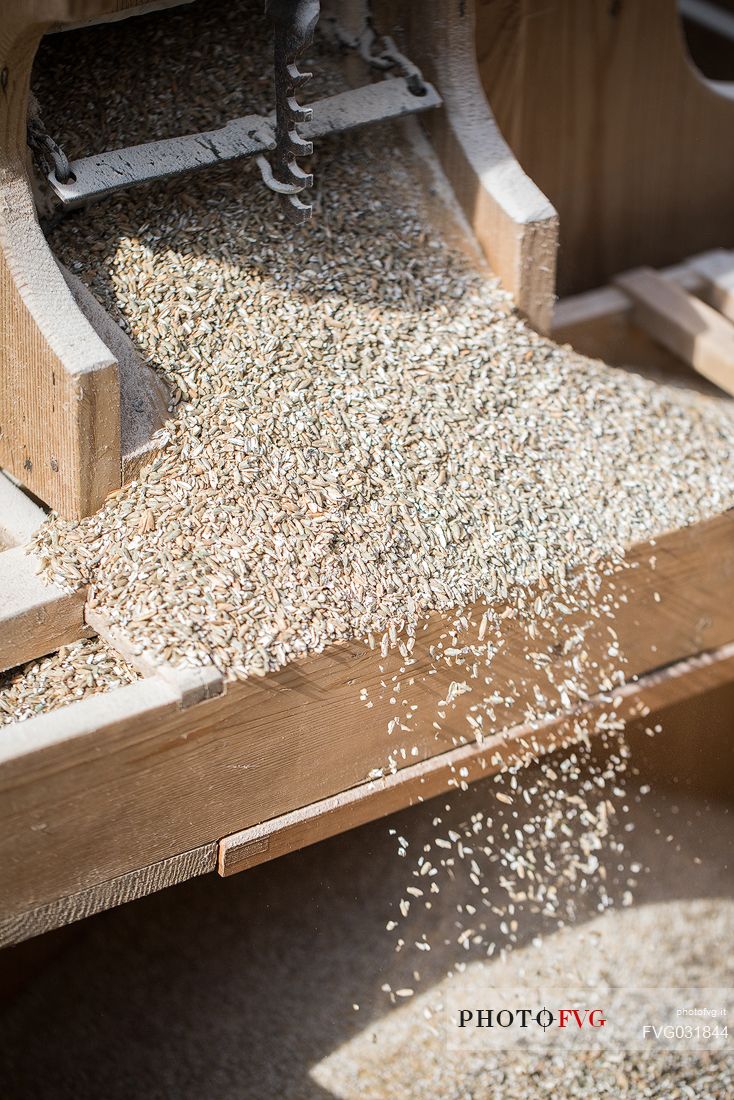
x,y
469,763
106,895
116,782
515,224
688,327
20,517
35,618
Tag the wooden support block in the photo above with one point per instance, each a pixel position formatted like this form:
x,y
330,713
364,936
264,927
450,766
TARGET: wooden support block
x,y
19,516
716,271
60,398
441,773
515,224
106,895
690,328
35,618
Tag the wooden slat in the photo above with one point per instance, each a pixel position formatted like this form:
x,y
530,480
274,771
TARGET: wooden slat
x,y
467,764
131,789
688,327
35,618
106,895
19,516
515,224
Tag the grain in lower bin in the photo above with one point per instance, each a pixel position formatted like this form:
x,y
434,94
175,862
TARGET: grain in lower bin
x,y
75,672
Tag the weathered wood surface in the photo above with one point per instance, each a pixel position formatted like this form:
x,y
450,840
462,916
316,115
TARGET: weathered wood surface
x,y
35,618
418,782
139,779
60,392
694,331
604,111
106,895
515,224
20,517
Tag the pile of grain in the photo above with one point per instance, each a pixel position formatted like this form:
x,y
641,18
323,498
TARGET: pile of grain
x,y
74,672
365,431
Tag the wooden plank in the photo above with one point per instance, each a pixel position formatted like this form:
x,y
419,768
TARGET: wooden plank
x,y
20,517
82,804
106,895
59,402
607,302
716,270
35,618
690,328
467,764
629,142
515,224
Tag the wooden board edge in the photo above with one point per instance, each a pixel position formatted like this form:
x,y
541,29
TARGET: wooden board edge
x,y
690,328
107,895
168,689
35,618
194,684
468,763
20,517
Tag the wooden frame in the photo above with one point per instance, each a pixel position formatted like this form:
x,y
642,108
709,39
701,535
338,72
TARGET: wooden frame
x,y
111,789
70,377
682,316
120,794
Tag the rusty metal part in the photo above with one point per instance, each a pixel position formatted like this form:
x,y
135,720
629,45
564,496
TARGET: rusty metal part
x,y
106,173
386,58
294,23
49,150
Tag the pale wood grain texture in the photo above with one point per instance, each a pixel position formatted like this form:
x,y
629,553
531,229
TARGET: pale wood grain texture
x,y
469,763
106,895
513,221
60,396
137,779
602,108
35,618
694,331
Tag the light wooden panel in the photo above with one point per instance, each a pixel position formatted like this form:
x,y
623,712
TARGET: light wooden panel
x,y
469,763
81,802
691,329
604,111
514,222
35,618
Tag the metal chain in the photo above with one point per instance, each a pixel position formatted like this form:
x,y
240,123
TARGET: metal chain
x,y
42,143
388,57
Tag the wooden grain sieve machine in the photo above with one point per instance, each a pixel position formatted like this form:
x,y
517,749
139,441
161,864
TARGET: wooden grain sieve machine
x,y
178,774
